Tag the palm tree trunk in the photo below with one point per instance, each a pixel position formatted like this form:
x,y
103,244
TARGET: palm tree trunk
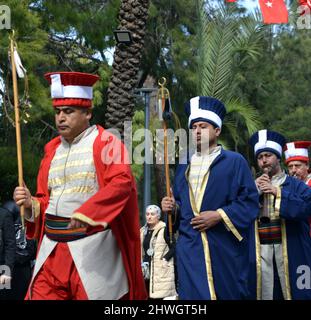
x,y
133,15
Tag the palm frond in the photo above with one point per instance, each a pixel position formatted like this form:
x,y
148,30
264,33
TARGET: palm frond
x,y
245,113
225,42
216,49
224,144
233,131
248,39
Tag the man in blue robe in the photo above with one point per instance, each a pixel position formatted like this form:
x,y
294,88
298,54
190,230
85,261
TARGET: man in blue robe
x,y
217,203
283,244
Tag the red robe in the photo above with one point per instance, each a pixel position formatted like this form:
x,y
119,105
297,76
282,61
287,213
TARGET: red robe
x,y
115,203
309,184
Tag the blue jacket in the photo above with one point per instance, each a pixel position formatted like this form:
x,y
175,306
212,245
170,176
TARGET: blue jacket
x,y
215,264
294,210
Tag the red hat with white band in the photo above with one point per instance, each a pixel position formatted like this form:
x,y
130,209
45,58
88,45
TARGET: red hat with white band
x,y
71,88
297,151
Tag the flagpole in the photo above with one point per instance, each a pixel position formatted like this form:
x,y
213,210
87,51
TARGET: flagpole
x,y
165,94
17,126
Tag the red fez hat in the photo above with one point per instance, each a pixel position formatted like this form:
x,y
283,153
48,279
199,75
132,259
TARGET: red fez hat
x,y
297,151
71,88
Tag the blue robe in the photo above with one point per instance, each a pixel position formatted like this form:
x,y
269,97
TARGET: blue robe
x,y
214,264
295,208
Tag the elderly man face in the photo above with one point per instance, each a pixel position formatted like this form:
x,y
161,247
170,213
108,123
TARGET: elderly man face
x,y
298,169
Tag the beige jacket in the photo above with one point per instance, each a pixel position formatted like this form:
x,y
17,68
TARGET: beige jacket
x,y
162,277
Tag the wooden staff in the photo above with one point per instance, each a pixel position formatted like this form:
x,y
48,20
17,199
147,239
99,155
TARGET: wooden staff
x,y
164,93
17,127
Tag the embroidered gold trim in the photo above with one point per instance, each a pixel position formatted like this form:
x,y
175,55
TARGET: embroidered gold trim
x,y
284,243
258,262
64,154
285,260
208,265
71,164
84,189
71,177
35,207
229,224
277,202
91,222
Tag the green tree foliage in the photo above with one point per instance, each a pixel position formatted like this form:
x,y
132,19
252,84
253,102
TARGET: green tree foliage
x,y
278,83
171,48
50,35
80,31
226,44
262,74
8,168
31,46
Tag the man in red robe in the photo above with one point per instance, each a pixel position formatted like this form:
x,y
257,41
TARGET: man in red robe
x,y
85,212
297,161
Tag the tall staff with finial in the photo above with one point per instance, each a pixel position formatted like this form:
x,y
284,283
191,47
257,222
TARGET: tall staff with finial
x,y
164,99
13,56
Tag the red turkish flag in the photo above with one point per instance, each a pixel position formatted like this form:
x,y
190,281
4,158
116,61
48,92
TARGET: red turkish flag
x,y
230,0
305,3
273,11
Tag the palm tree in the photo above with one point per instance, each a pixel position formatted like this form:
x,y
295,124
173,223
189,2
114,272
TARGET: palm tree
x,y
133,15
225,44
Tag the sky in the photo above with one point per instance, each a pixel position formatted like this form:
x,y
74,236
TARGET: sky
x,y
249,3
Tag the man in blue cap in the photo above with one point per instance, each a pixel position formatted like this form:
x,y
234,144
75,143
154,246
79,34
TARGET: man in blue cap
x,y
283,245
216,202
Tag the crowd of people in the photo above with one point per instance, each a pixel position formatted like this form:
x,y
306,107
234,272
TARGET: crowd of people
x,y
235,237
